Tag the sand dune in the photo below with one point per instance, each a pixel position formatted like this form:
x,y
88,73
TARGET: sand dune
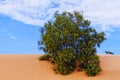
x,y
27,67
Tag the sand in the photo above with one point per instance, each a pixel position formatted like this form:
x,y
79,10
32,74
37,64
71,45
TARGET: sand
x,y
27,67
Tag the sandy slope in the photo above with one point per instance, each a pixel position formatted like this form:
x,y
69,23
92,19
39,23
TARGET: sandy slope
x,y
27,67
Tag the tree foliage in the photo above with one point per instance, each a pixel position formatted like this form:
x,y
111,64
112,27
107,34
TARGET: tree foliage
x,y
71,43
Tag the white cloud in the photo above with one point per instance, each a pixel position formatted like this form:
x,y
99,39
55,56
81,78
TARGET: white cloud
x,y
13,37
36,12
103,12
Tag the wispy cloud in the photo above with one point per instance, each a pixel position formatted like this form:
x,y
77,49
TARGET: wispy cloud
x,y
13,37
101,12
3,30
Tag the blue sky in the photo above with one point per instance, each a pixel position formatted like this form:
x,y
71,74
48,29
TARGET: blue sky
x,y
17,37
20,21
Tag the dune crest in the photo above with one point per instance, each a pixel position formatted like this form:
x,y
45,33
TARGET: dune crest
x,y
27,67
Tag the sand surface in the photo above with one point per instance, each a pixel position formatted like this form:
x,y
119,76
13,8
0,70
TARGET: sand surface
x,y
27,67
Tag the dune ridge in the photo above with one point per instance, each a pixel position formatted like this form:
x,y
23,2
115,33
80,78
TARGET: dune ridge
x,y
28,67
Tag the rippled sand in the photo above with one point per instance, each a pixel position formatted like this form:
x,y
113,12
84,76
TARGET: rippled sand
x,y
27,67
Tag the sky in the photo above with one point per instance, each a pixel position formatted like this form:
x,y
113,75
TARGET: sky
x,y
20,21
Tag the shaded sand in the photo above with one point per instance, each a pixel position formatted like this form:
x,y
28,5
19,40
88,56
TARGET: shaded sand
x,y
27,67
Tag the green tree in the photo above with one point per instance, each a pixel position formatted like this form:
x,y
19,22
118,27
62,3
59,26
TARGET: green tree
x,y
70,42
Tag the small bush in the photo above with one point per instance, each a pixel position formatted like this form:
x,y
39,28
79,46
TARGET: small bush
x,y
93,59
109,52
92,69
65,62
64,69
45,57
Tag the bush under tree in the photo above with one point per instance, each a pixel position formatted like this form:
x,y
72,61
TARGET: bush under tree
x,y
70,43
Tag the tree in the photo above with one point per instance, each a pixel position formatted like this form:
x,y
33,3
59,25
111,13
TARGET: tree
x,y
71,43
